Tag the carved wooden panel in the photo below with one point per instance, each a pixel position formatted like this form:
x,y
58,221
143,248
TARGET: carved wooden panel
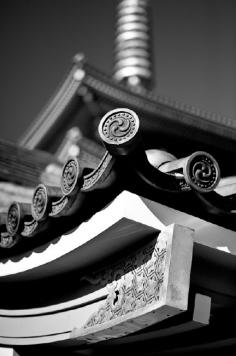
x,y
144,288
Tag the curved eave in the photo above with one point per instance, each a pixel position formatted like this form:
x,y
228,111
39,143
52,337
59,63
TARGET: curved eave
x,y
61,284
104,235
92,242
54,323
190,185
161,113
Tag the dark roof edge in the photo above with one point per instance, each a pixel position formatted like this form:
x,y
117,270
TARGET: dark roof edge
x,y
187,184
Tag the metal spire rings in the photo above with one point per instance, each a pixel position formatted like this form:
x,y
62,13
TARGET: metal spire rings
x,y
132,43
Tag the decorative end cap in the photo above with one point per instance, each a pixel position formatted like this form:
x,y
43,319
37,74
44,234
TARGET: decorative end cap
x,y
14,218
202,172
71,176
40,203
118,130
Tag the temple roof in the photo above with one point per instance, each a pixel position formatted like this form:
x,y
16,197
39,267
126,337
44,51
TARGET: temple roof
x,y
73,252
191,184
97,262
115,208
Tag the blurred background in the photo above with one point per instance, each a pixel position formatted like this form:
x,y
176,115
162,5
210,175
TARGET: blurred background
x,y
194,45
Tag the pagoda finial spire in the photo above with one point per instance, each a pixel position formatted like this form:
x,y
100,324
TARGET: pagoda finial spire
x,y
132,57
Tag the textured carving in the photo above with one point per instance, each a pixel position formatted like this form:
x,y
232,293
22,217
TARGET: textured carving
x,y
7,241
99,174
132,283
13,218
202,172
30,228
70,176
59,206
118,129
143,288
40,201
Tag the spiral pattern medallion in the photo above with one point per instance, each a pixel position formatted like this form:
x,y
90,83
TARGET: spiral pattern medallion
x,y
40,201
70,175
202,172
118,126
13,218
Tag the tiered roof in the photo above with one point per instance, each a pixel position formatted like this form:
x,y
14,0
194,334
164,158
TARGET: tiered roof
x,y
113,181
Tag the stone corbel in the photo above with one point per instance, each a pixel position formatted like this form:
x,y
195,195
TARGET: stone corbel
x,y
146,287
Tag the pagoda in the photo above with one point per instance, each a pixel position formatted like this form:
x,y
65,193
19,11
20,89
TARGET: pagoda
x,y
117,216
